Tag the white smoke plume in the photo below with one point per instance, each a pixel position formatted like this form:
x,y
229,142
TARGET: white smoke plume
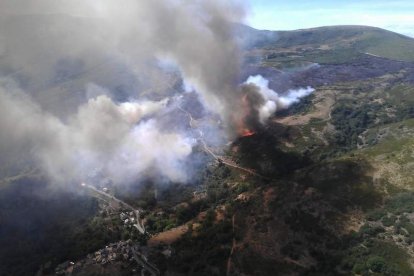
x,y
85,83
196,35
272,101
62,63
102,135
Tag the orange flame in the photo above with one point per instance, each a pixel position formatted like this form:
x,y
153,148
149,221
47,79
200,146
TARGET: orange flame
x,y
239,120
246,132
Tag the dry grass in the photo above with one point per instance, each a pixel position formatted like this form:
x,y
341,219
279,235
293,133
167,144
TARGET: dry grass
x,y
322,106
168,237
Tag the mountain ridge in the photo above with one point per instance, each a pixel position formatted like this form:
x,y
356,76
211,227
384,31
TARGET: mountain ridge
x,y
359,38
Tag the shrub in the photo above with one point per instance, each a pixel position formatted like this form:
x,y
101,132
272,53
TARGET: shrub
x,y
376,264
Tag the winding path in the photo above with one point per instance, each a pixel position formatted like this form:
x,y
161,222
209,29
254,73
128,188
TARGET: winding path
x,y
138,257
219,159
142,260
108,198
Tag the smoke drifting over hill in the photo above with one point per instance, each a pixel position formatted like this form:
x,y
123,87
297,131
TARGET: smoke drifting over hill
x,y
47,44
61,107
196,36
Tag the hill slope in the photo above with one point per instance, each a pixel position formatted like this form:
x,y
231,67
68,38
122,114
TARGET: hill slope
x,y
333,192
342,40
337,194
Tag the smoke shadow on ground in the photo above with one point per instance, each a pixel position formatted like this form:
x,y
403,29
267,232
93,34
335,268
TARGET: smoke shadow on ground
x,y
346,183
302,220
261,152
36,225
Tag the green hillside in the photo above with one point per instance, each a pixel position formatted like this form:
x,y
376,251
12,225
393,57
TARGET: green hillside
x,y
347,39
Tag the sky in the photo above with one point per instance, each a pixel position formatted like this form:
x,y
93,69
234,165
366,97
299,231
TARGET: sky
x,y
397,16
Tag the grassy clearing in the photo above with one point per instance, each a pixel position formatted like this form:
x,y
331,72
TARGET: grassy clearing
x,y
394,46
400,94
342,44
377,257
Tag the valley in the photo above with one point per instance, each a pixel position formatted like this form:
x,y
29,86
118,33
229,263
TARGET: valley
x,y
325,188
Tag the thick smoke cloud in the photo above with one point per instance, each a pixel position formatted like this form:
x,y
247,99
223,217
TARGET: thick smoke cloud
x,y
196,35
112,138
86,85
62,63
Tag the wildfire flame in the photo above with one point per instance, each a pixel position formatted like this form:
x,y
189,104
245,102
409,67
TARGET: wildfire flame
x,y
247,132
242,129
